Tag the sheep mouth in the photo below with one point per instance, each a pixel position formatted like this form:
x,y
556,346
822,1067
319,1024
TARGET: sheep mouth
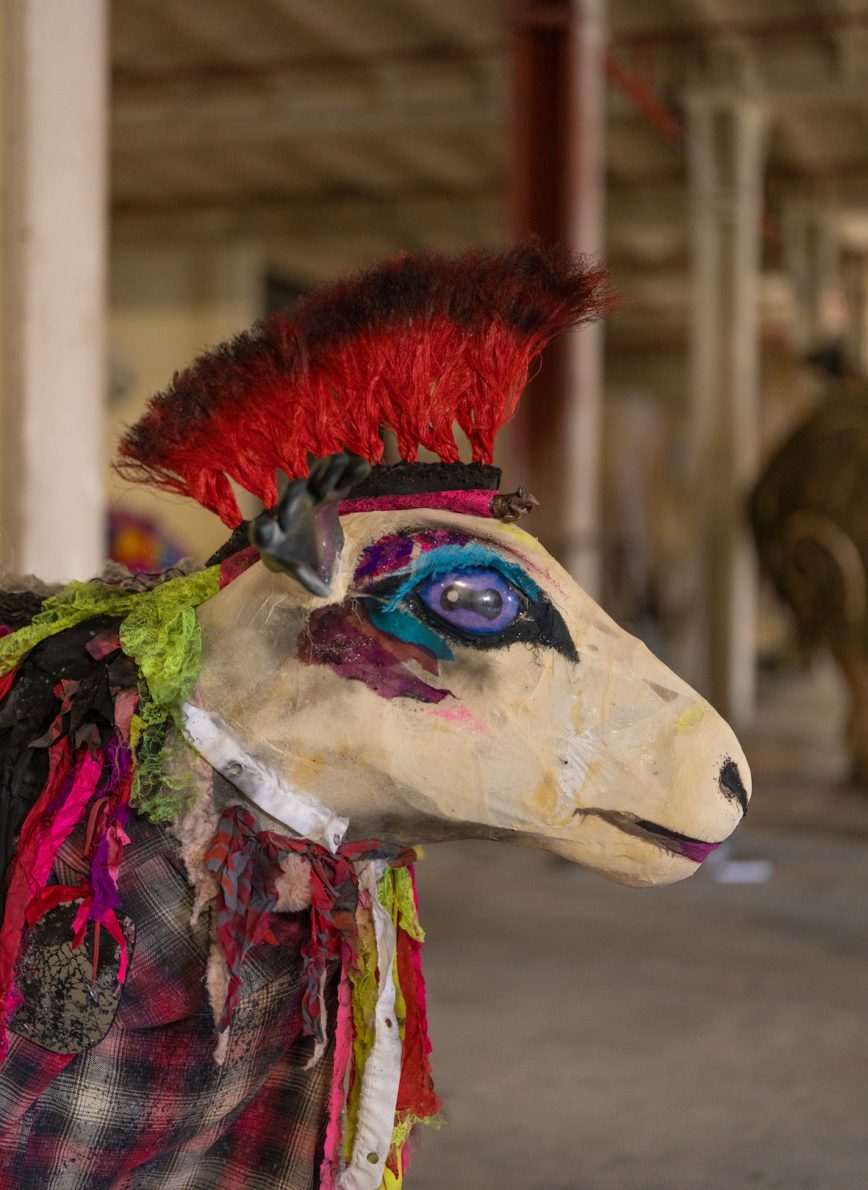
x,y
696,850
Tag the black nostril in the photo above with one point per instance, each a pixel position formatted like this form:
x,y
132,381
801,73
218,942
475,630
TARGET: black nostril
x,y
731,784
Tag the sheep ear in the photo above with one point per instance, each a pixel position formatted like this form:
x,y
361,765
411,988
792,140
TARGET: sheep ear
x,y
302,536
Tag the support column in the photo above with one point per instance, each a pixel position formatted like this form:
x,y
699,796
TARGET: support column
x,y
726,153
558,190
53,210
814,265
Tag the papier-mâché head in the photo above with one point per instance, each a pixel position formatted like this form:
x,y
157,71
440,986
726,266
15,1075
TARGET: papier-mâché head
x,y
448,678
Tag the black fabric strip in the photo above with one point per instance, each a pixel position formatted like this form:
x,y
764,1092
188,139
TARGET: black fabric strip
x,y
17,608
409,479
398,479
30,708
238,541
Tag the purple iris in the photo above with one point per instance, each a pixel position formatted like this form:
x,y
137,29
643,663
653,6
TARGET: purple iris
x,y
475,600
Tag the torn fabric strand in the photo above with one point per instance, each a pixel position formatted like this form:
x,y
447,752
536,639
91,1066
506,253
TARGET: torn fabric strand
x,y
246,863
77,745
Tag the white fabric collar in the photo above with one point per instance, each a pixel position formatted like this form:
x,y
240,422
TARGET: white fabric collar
x,y
215,740
303,814
382,1074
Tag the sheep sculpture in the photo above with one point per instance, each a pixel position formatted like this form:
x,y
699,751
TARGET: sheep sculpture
x,y
213,779
811,532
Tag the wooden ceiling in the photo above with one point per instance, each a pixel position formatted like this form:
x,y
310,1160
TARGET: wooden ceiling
x,y
364,126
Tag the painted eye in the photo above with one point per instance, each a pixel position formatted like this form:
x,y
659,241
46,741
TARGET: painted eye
x,y
475,600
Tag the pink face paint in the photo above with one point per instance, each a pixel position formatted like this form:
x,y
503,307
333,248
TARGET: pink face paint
x,y
460,715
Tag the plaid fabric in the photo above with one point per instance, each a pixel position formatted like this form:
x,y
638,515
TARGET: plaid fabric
x,y
147,1107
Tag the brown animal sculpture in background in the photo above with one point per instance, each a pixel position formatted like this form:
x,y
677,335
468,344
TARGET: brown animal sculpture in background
x,y
809,511
212,782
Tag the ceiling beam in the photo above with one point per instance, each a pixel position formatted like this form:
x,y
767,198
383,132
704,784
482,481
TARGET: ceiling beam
x,y
216,71
344,27
767,28
808,93
336,102
452,19
480,215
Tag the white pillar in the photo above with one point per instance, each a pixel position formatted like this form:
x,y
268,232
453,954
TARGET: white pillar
x,y
54,219
580,526
726,153
814,266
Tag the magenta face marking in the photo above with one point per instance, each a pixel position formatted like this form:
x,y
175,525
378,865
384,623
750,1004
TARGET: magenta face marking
x,y
342,638
418,595
395,552
358,645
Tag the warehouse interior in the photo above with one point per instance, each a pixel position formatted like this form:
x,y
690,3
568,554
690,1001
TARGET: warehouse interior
x,y
173,170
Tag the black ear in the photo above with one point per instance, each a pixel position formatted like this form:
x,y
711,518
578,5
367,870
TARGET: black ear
x,y
302,537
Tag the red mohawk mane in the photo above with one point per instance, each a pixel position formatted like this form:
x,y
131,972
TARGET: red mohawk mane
x,y
414,345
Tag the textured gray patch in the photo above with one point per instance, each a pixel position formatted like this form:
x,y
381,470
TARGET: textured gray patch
x,y
68,1006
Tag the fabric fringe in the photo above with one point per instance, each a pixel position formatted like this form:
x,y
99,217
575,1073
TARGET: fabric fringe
x,y
217,986
97,768
88,782
245,864
337,1094
195,830
249,874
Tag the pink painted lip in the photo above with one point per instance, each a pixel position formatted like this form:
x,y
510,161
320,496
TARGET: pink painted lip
x,y
696,850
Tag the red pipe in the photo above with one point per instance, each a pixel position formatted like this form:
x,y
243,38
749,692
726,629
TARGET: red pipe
x,y
654,111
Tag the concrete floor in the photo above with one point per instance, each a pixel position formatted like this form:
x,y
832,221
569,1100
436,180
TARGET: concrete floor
x,y
705,1035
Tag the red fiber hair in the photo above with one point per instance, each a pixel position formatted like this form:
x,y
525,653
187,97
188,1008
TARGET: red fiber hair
x,y
414,345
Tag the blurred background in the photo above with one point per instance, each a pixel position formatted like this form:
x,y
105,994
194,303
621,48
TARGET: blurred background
x,y
171,170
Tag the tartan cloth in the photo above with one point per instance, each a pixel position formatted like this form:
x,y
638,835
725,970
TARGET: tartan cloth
x,y
147,1107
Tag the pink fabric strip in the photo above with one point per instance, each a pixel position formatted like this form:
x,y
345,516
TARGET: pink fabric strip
x,y
236,564
343,1054
40,840
476,502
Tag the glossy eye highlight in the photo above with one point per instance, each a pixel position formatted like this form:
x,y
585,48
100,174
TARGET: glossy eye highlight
x,y
435,588
476,600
